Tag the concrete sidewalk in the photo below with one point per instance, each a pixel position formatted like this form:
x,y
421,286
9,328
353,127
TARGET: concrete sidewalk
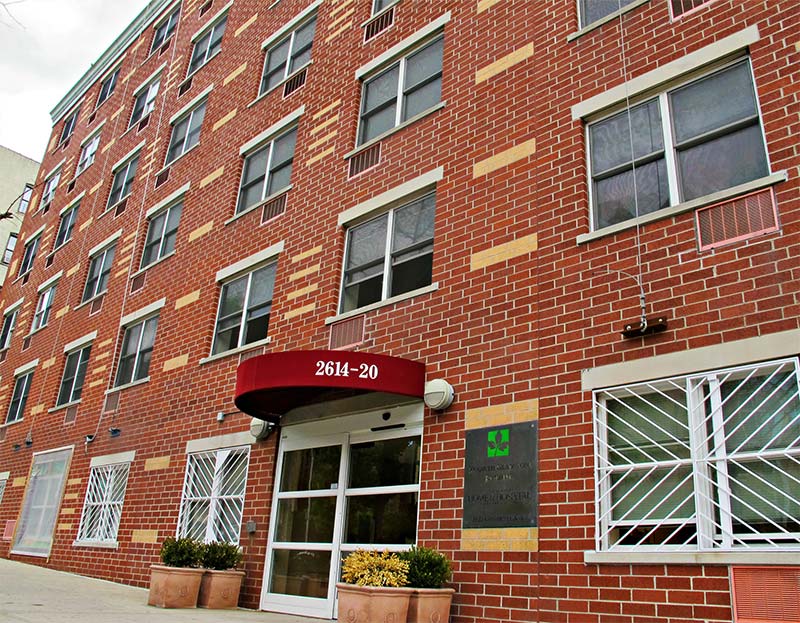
x,y
31,594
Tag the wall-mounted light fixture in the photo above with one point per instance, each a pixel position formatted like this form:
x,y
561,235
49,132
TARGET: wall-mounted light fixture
x,y
439,394
114,432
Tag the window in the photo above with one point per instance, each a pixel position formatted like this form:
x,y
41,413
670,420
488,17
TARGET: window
x,y
689,142
380,5
406,89
69,125
99,271
3,481
594,10
137,349
25,199
22,387
267,171
145,102
207,46
50,185
37,521
186,133
74,374
11,244
31,247
213,495
245,305
165,30
9,324
108,86
88,151
43,307
287,56
66,225
679,7
705,462
102,508
389,255
123,180
161,232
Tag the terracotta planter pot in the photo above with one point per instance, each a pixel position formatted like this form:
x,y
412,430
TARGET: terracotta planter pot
x,y
174,587
372,604
430,605
220,589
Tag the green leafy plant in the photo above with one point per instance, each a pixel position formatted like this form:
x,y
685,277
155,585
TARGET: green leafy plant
x,y
183,552
372,568
427,567
220,555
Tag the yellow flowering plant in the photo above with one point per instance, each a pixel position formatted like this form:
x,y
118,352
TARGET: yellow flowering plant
x,y
373,568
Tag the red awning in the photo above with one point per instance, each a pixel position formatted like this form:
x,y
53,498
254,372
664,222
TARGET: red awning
x,y
270,385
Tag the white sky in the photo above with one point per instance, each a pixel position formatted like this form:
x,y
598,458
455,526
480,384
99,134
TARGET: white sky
x,y
43,57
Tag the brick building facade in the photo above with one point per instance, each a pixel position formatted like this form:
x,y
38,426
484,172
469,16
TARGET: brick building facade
x,y
583,216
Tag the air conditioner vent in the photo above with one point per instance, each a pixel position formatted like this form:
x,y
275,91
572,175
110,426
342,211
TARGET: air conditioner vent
x,y
733,221
766,594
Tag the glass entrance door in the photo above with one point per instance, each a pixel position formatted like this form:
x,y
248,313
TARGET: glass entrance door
x,y
336,493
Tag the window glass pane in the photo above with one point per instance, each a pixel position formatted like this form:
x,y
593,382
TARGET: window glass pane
x,y
614,197
255,166
610,139
593,10
422,99
653,494
233,294
385,463
381,519
194,127
311,469
284,147
261,285
300,572
306,520
377,123
414,223
765,494
367,242
413,273
713,102
722,163
381,89
424,64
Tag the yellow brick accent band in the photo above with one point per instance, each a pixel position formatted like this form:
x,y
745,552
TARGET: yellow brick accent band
x,y
327,109
333,35
86,223
504,252
236,72
96,383
302,292
797,46
105,343
504,63
62,312
306,254
117,112
37,410
124,271
499,415
305,272
201,231
320,156
74,482
175,363
108,146
299,311
64,527
70,496
323,140
500,539
99,370
486,4
211,177
504,158
144,536
341,7
335,23
67,511
224,120
324,124
95,188
188,299
101,356
245,26
50,362
156,463
19,482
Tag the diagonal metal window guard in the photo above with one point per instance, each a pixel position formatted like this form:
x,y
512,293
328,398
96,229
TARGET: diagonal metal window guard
x,y
213,495
103,506
706,462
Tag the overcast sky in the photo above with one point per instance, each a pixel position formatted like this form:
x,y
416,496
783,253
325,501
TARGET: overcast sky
x,y
45,54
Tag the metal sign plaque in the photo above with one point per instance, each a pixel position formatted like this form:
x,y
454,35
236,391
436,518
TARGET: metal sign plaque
x,y
501,477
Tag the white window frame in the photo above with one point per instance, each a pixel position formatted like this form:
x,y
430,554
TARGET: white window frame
x,y
19,399
74,384
8,253
44,305
157,226
69,124
108,86
204,38
703,457
186,129
215,498
377,9
66,224
39,515
141,320
127,178
30,249
25,199
4,476
147,93
287,33
108,482
670,150
88,151
9,325
50,186
103,260
168,26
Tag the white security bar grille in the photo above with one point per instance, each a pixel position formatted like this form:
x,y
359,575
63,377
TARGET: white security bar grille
x,y
213,495
703,462
103,506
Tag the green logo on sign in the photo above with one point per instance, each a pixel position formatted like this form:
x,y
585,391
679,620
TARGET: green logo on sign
x,y
499,444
